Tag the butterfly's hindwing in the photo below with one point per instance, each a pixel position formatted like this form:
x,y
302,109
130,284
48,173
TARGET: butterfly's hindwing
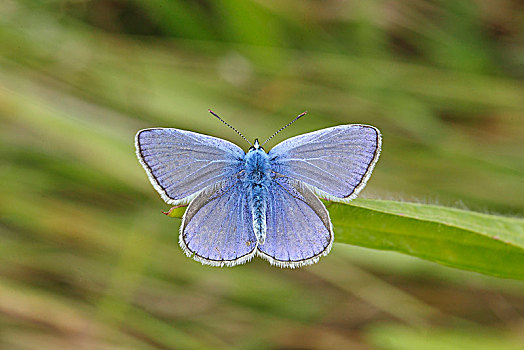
x,y
217,227
298,230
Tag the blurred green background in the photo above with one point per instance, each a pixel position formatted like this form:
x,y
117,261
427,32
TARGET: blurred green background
x,y
87,260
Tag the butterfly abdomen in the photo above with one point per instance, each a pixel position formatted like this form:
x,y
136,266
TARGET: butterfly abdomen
x,y
257,182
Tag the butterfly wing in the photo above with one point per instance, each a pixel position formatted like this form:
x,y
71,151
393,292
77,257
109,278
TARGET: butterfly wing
x,y
217,226
336,161
299,230
181,163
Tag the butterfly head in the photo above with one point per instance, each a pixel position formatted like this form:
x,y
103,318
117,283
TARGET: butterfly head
x,y
256,146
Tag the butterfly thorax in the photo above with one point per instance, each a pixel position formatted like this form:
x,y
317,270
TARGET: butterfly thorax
x,y
256,182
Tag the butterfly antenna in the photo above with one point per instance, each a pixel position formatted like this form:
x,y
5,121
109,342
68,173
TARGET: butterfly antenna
x,y
285,126
223,121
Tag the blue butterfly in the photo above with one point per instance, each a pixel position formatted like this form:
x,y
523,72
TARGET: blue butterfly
x,y
257,203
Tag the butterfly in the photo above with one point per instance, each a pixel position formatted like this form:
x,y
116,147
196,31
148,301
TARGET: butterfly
x,y
258,203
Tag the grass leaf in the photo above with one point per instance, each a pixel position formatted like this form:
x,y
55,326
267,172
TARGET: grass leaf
x,y
488,244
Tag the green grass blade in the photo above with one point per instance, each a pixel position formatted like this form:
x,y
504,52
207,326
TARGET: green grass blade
x,y
387,336
462,239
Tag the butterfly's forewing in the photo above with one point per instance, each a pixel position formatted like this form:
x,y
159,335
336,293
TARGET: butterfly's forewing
x,y
299,230
181,163
336,161
217,227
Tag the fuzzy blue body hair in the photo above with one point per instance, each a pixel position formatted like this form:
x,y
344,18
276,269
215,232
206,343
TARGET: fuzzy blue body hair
x,y
256,182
